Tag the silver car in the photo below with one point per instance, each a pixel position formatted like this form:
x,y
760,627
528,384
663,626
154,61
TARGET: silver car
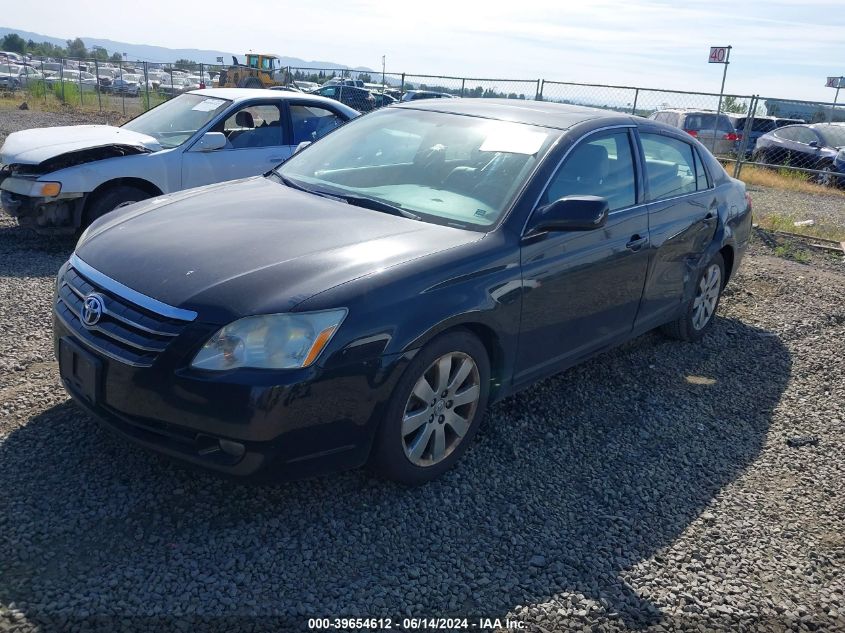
x,y
714,131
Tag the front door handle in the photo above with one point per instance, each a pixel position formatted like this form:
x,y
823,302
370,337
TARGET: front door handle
x,y
636,242
277,159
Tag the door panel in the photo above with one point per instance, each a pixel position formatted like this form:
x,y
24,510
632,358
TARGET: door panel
x,y
583,288
256,142
682,223
582,292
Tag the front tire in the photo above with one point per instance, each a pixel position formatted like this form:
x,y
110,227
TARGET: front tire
x,y
435,410
700,312
111,199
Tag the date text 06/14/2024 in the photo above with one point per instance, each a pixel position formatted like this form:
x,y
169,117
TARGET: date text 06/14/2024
x,y
415,624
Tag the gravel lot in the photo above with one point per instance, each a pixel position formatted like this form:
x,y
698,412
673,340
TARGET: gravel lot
x,y
661,486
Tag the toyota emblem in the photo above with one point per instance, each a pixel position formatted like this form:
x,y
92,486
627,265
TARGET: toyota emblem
x,y
92,309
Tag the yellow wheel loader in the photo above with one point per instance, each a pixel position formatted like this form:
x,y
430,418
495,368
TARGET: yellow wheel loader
x,y
260,71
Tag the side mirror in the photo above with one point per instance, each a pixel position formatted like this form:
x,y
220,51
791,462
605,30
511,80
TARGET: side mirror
x,y
814,144
302,146
571,213
210,141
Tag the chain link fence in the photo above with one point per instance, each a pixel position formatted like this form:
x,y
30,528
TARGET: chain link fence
x,y
741,130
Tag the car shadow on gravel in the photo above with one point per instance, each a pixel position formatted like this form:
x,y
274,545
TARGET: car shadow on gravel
x,y
569,486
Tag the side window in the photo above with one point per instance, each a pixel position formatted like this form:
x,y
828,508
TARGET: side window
x,y
253,126
311,122
669,166
805,135
700,172
787,133
602,165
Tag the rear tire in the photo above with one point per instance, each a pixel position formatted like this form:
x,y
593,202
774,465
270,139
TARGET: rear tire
x,y
111,199
250,82
700,312
420,438
828,177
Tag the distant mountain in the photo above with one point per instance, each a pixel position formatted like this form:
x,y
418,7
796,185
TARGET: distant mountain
x,y
163,54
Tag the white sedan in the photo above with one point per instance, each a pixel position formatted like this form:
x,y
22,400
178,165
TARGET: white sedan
x,y
60,179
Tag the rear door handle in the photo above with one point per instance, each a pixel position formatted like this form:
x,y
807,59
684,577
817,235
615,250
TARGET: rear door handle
x,y
277,159
636,242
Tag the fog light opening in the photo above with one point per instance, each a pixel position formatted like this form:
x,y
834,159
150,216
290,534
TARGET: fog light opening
x,y
234,449
207,445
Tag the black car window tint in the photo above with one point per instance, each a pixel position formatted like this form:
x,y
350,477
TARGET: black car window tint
x,y
603,165
311,122
669,166
702,181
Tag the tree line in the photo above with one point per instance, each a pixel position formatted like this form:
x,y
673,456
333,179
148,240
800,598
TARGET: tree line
x,y
75,48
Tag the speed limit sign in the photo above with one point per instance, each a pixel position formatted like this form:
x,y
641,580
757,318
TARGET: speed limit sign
x,y
718,54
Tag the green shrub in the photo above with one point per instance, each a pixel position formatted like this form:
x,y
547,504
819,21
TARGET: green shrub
x,y
70,94
36,89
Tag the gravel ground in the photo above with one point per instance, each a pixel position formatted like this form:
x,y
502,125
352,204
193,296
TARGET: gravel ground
x,y
661,486
14,120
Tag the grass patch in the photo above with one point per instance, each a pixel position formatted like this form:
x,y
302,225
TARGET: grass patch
x,y
785,179
786,222
789,251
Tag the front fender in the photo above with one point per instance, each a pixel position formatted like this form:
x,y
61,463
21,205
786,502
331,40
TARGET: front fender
x,y
162,169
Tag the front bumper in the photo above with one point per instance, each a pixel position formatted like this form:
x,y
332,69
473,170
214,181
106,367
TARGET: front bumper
x,y
52,216
298,423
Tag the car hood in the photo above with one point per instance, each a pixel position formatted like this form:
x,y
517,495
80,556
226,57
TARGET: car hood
x,y
252,246
33,147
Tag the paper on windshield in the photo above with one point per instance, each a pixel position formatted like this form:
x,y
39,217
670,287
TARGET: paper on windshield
x,y
513,139
207,105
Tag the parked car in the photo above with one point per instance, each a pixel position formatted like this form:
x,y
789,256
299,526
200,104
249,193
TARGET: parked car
x,y
365,302
416,95
760,125
782,122
14,77
714,131
345,81
59,179
816,146
127,84
382,99
357,98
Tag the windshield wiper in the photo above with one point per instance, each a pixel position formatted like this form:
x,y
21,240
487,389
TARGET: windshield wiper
x,y
358,201
378,205
295,185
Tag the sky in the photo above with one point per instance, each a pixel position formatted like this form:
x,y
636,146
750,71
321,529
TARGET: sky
x,y
781,48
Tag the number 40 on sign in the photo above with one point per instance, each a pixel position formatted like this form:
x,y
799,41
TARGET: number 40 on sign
x,y
718,54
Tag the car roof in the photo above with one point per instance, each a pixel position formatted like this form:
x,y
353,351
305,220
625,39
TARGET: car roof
x,y
543,113
244,94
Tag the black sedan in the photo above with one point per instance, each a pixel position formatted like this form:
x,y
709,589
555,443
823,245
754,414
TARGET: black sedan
x,y
367,300
813,146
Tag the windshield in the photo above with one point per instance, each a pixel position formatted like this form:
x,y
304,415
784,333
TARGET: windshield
x,y
444,168
832,135
175,121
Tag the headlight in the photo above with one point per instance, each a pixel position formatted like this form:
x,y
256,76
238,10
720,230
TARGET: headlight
x,y
271,341
841,156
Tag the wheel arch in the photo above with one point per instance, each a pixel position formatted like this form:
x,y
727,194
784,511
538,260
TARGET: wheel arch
x,y
144,185
489,338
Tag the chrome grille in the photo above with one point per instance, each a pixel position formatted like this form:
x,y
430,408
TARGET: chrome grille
x,y
131,333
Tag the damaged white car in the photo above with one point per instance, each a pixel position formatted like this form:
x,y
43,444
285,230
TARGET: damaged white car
x,y
60,179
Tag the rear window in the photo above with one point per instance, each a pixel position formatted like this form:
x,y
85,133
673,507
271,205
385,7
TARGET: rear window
x,y
707,122
762,125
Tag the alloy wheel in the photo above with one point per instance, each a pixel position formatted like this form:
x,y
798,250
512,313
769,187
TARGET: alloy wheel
x,y
707,297
440,409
